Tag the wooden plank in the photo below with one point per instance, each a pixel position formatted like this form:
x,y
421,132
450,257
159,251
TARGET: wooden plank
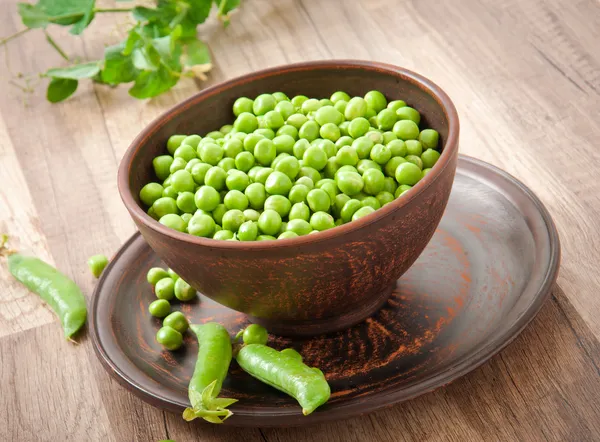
x,y
46,392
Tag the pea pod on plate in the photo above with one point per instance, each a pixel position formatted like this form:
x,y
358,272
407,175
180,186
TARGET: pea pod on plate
x,y
285,372
214,357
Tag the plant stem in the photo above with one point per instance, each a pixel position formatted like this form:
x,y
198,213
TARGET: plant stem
x,y
100,10
56,46
15,35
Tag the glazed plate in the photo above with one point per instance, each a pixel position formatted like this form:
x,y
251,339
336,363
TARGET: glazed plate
x,y
480,281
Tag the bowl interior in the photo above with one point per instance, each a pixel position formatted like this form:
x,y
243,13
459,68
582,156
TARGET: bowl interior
x,y
212,108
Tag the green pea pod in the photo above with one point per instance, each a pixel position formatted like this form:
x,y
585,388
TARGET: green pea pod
x,y
285,373
60,292
214,356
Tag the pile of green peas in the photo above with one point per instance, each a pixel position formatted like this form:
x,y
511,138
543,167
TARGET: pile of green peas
x,y
168,285
291,167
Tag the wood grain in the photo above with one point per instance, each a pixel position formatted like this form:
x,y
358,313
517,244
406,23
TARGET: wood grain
x,y
525,76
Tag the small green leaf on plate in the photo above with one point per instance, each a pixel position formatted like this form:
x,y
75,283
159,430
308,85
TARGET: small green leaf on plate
x,y
60,89
149,84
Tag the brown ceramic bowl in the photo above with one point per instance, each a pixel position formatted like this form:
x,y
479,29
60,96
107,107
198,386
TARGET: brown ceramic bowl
x,y
315,283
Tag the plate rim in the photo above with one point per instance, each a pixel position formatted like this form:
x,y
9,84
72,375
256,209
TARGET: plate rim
x,y
385,398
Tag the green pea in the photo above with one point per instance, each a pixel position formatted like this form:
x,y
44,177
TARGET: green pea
x,y
429,158
396,104
315,158
408,173
288,235
255,334
384,198
372,202
279,204
386,119
252,173
237,180
226,164
326,146
340,106
246,122
288,166
199,172
269,222
207,198
284,144
159,308
299,226
278,183
363,165
226,128
363,211
415,160
391,166
223,235
328,115
174,276
169,192
363,146
380,154
338,203
169,338
310,105
201,225
358,127
97,263
233,219
397,148
322,221
376,100
348,182
183,292
215,177
347,169
165,289
350,207
370,113
177,321
150,193
402,189
413,147
218,213
256,195
374,181
251,215
263,104
330,131
347,156
235,200
164,206
178,164
248,231
211,153
273,120
344,141
331,167
306,181
265,152
300,148
161,165
299,211
429,138
373,122
344,128
263,174
309,131
356,108
389,183
174,142
388,137
297,120
155,274
408,113
339,96
191,163
242,104
288,130
265,238
406,130
185,152
298,100
285,109
331,189
182,181
173,221
280,96
425,172
375,136
318,200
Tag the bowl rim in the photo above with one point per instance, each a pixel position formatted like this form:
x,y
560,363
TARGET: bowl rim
x,y
450,150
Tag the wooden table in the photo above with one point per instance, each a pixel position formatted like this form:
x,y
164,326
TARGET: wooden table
x,y
525,76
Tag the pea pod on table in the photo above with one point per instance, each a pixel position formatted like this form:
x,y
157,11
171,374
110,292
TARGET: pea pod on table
x,y
214,357
285,372
60,292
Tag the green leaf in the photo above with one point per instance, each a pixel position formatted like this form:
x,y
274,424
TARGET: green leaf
x,y
195,398
199,10
75,72
197,53
143,14
118,68
149,84
78,13
60,89
142,60
132,40
220,403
